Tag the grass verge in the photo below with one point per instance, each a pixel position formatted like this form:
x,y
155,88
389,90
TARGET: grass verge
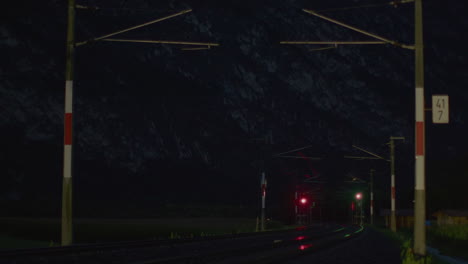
x,y
24,232
7,242
404,238
450,240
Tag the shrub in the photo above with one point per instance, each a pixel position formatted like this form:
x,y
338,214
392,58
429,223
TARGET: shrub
x,y
459,232
408,257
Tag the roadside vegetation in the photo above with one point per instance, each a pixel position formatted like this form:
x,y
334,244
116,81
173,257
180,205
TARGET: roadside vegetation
x,y
404,238
451,240
43,232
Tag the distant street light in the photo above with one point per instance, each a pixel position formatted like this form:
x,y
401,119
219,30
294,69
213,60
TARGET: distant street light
x,y
359,202
303,208
358,196
392,179
371,185
302,201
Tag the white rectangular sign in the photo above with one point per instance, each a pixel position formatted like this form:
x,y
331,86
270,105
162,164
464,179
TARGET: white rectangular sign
x,y
440,109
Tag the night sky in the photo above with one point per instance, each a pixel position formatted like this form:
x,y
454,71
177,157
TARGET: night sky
x,y
160,131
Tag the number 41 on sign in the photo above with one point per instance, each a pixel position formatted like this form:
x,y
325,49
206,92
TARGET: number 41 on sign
x,y
440,109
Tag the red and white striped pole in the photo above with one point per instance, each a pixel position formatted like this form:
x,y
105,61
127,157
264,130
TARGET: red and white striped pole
x,y
372,207
372,196
393,225
295,206
66,235
420,192
392,182
263,188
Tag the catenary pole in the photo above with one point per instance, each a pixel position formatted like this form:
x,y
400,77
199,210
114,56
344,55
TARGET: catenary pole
x,y
66,234
420,192
392,184
362,214
372,196
263,187
393,225
295,207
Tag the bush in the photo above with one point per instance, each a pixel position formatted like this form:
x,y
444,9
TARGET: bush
x,y
408,257
458,232
451,240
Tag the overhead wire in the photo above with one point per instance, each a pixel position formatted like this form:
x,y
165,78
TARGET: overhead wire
x,y
384,40
113,11
352,7
392,3
325,48
134,27
132,9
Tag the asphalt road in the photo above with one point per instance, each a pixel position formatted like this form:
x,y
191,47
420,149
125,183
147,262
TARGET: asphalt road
x,y
370,247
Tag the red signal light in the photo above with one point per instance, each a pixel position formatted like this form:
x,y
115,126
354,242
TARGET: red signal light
x,y
303,200
304,247
358,196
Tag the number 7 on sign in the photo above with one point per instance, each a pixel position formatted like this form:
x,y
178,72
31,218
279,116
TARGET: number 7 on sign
x,y
440,109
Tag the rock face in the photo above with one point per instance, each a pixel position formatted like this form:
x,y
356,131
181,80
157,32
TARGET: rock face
x,y
149,116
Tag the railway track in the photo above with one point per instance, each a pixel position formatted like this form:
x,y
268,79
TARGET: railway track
x,y
267,247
